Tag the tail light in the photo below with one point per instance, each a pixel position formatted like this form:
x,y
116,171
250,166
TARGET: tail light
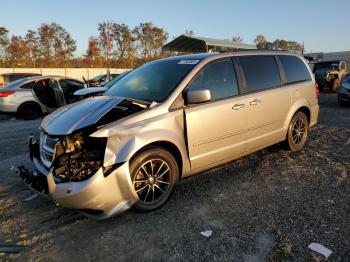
x,y
317,90
6,93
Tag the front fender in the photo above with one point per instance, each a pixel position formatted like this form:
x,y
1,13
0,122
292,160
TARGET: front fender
x,y
123,143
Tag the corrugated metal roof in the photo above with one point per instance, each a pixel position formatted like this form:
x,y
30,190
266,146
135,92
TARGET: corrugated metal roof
x,y
195,44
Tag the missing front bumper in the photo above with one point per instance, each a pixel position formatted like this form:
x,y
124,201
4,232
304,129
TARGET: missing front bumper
x,y
109,195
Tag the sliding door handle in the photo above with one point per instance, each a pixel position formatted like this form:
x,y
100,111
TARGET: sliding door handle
x,y
255,102
238,106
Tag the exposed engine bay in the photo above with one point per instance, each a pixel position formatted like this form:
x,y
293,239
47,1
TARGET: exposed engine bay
x,y
77,156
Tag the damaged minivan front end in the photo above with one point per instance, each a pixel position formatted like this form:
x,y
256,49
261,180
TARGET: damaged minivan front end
x,y
70,162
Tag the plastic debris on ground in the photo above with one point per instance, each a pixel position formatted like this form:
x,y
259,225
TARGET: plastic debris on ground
x,y
207,233
30,198
320,249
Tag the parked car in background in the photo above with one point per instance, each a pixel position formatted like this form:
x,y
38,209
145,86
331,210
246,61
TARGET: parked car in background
x,y
100,80
167,120
10,77
29,97
344,91
99,90
329,74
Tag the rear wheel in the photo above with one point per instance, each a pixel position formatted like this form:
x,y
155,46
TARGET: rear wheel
x,y
297,132
154,173
29,111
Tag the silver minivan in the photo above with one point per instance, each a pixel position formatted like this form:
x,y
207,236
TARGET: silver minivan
x,y
167,120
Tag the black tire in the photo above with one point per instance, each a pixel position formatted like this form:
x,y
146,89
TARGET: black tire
x,y
297,132
29,111
151,181
342,103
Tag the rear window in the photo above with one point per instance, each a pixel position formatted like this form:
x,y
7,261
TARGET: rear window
x,y
260,72
294,69
27,85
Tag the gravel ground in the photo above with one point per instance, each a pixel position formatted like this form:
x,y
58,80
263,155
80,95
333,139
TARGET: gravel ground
x,y
267,206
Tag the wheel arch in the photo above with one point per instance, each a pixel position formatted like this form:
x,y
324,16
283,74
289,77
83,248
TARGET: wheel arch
x,y
34,103
301,105
166,145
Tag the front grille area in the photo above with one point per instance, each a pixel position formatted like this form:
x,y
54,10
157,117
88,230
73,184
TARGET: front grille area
x,y
47,149
51,142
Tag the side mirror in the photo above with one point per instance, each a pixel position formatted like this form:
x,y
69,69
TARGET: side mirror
x,y
85,86
197,96
102,83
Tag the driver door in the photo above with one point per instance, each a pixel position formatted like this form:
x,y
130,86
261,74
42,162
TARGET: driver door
x,y
216,130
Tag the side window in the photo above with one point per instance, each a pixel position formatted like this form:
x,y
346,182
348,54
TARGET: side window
x,y
260,72
219,77
27,85
294,69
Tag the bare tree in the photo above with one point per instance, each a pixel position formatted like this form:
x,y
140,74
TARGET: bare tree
x,y
189,32
106,40
4,41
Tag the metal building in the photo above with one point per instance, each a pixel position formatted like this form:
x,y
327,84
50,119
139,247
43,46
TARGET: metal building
x,y
195,44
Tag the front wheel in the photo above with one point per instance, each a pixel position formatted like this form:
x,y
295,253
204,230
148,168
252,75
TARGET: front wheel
x,y
297,132
154,173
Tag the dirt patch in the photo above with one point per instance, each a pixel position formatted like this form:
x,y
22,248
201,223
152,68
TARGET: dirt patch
x,y
271,203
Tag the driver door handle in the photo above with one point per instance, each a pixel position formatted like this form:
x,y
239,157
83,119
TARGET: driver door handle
x,y
255,102
238,106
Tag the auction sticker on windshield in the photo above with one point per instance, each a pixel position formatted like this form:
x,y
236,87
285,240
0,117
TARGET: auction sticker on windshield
x,y
188,62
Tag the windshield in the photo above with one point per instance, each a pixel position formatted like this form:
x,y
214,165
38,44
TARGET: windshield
x,y
97,78
115,80
153,81
15,83
329,65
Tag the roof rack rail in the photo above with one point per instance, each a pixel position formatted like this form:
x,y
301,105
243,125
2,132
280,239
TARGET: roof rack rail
x,y
251,50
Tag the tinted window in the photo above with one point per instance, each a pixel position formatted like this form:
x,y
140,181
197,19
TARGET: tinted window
x,y
28,85
260,72
294,69
153,81
219,77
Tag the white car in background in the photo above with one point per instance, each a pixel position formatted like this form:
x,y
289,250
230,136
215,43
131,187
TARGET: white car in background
x,y
32,96
99,90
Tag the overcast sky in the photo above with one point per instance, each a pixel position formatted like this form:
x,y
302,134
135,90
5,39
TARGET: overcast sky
x,y
322,25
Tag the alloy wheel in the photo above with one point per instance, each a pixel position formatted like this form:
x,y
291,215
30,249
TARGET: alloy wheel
x,y
152,180
298,131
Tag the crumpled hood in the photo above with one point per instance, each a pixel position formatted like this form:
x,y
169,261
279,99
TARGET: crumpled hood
x,y
70,118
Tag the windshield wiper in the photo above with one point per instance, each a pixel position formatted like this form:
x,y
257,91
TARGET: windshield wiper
x,y
140,103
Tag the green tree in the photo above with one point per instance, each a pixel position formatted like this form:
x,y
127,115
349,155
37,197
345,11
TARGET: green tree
x,y
124,43
32,43
150,40
56,44
17,51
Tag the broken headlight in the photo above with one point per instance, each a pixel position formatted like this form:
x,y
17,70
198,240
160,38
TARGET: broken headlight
x,y
78,157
